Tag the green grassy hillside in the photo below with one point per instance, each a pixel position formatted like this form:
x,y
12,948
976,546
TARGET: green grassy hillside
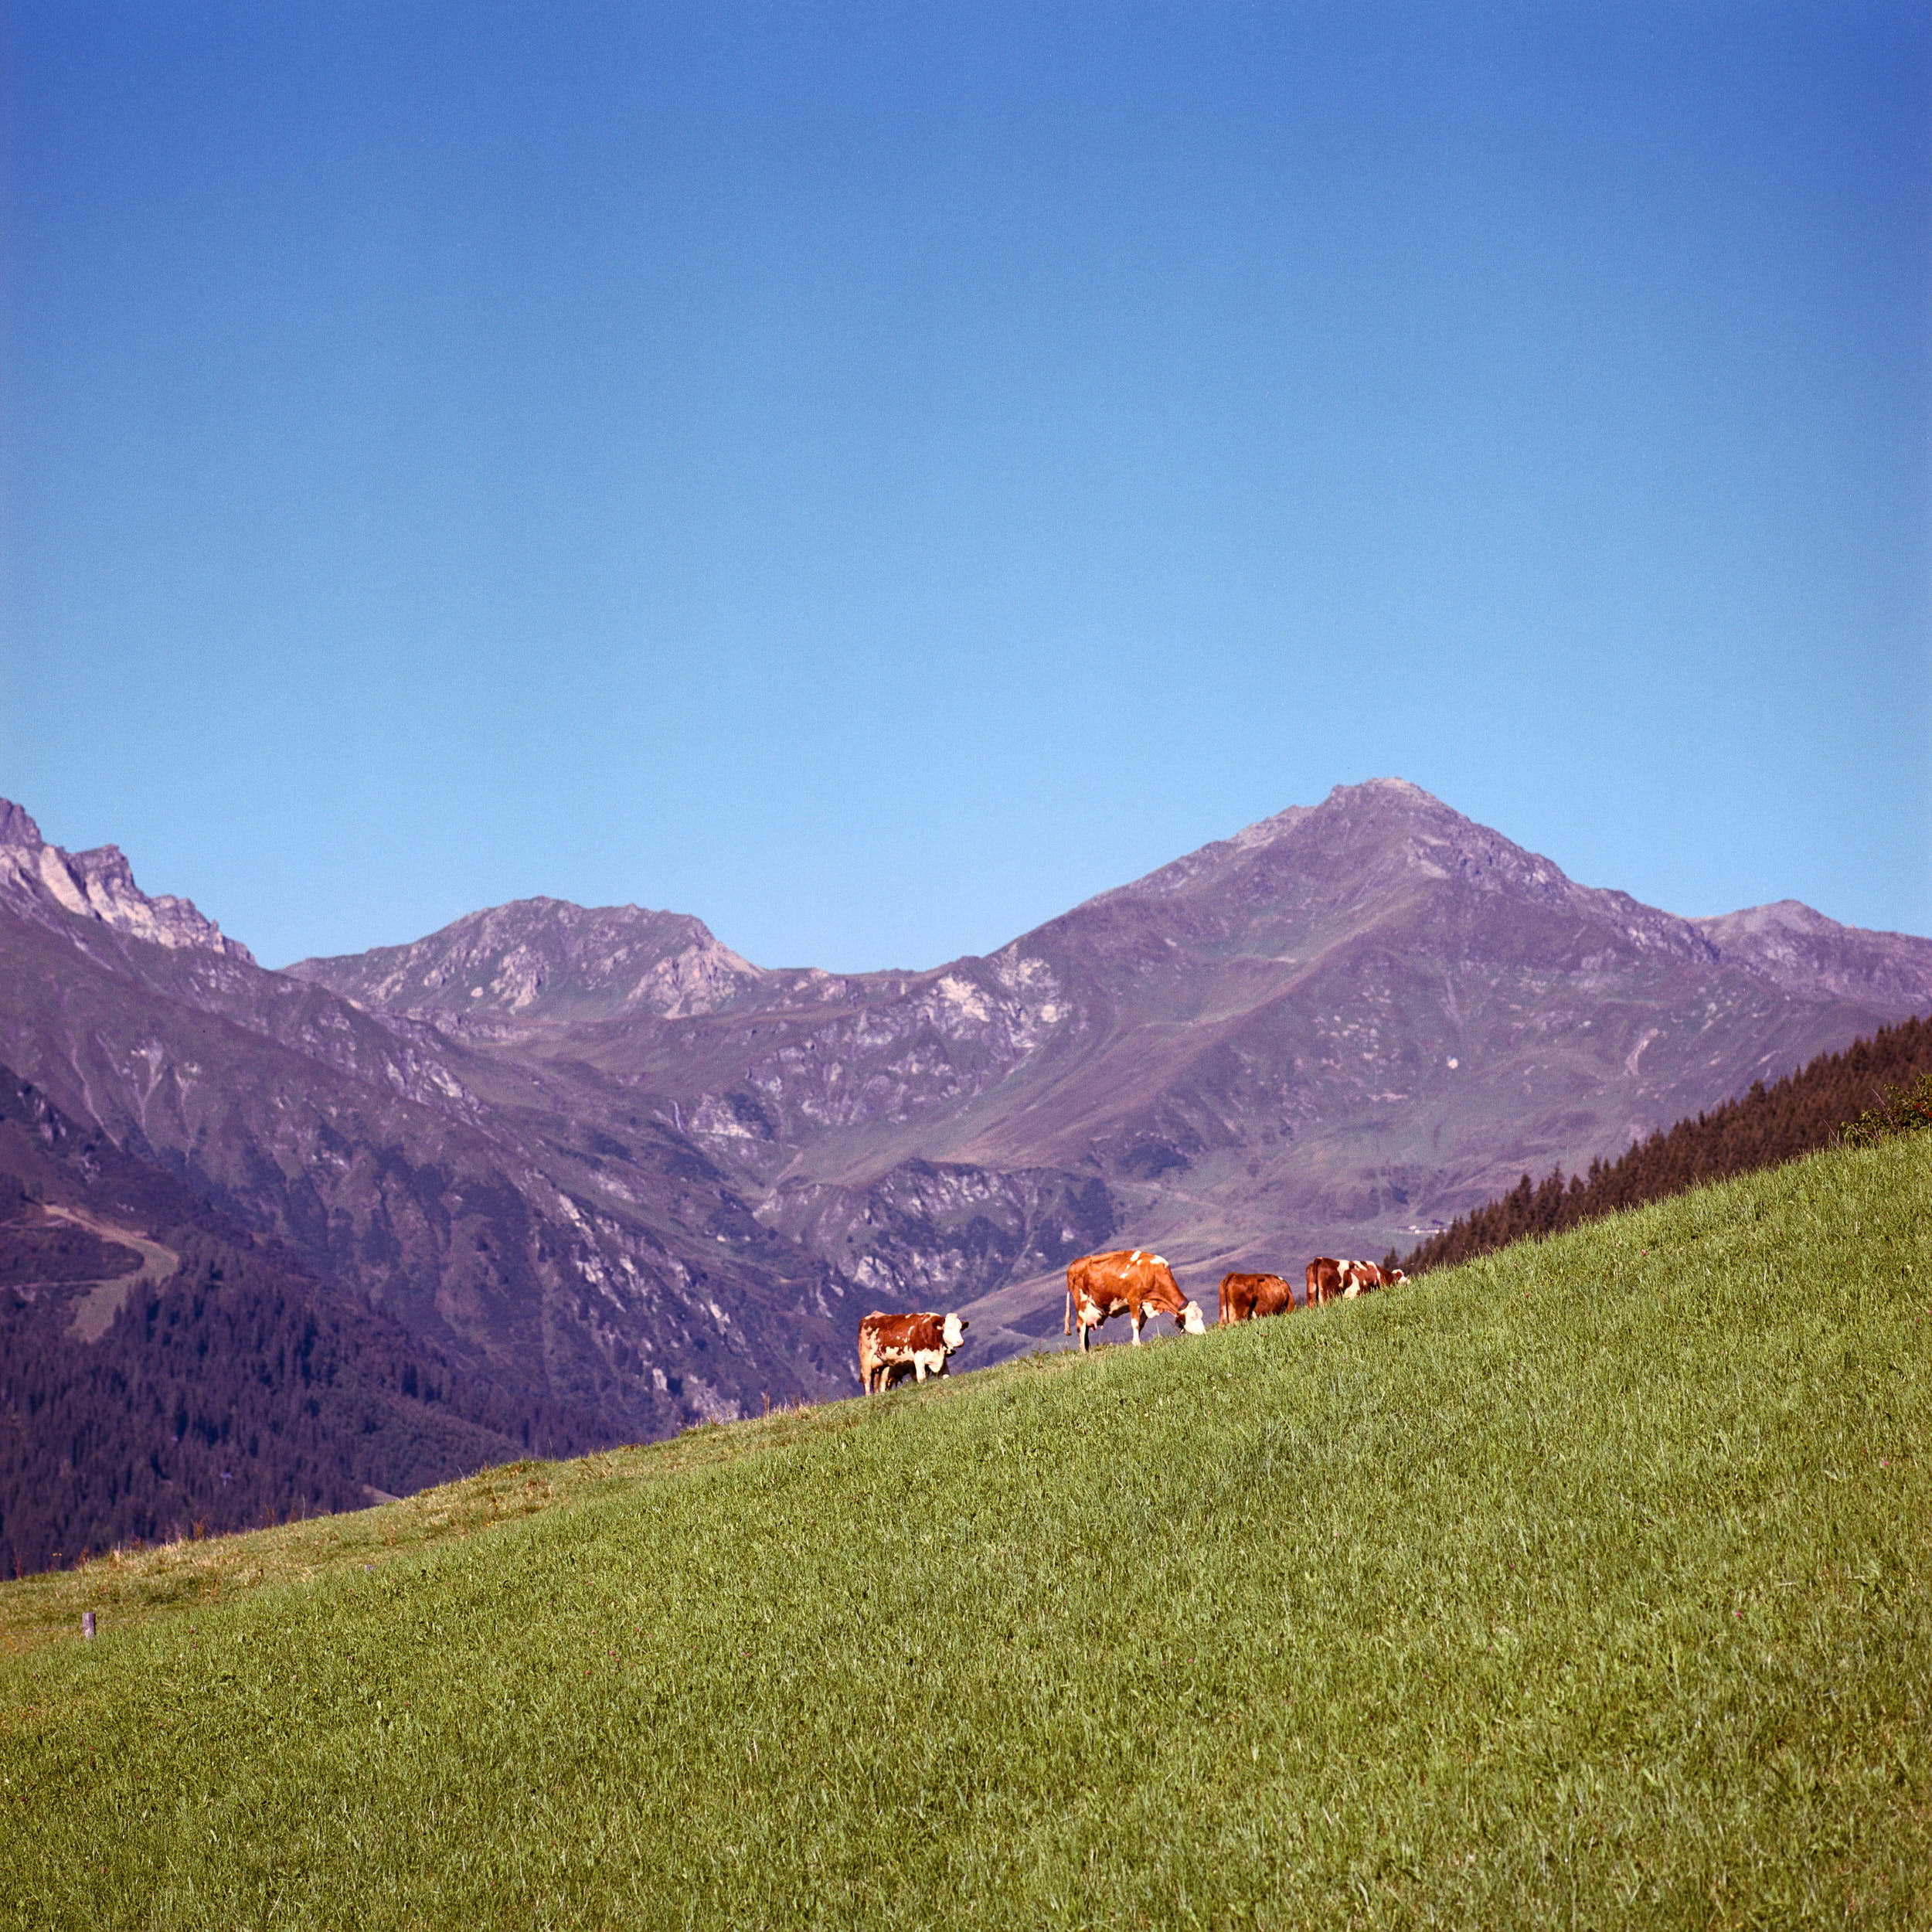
x,y
1584,1585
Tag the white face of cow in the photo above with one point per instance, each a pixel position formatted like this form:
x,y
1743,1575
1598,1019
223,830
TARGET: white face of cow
x,y
955,1332
1191,1320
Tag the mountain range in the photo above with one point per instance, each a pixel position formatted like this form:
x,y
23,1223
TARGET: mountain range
x,y
604,1165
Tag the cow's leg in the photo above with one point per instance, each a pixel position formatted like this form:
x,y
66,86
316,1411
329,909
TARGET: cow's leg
x,y
1133,1315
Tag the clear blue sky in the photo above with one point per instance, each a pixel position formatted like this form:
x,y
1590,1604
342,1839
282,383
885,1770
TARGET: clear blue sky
x,y
872,476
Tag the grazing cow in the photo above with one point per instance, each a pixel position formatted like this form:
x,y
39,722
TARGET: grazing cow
x,y
921,1343
1099,1286
1327,1278
1243,1297
1361,1277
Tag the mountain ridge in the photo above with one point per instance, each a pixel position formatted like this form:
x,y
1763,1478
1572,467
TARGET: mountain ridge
x,y
98,884
597,1153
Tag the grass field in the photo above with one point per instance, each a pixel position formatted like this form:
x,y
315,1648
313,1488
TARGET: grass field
x,y
1587,1585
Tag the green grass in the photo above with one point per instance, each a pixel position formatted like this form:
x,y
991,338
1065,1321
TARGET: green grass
x,y
1585,1585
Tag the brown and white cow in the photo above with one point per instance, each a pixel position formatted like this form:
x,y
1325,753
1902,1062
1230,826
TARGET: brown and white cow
x,y
1326,1278
921,1343
1137,1282
1363,1277
1244,1297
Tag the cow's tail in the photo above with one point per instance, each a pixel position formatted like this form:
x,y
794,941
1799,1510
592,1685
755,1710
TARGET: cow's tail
x,y
1066,1326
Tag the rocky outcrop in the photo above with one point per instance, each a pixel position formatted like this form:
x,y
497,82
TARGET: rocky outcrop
x,y
1792,947
42,883
517,967
940,1235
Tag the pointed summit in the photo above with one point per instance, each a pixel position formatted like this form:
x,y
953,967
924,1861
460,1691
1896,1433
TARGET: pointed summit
x,y
17,827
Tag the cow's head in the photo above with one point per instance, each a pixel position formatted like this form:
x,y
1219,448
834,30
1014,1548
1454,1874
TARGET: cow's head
x,y
955,1332
1394,1276
1191,1321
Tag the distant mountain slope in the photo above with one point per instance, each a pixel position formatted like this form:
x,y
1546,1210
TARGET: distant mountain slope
x,y
161,1368
1766,1127
597,1157
586,1256
1796,948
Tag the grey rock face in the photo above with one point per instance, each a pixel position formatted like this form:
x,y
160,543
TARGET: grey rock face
x,y
42,883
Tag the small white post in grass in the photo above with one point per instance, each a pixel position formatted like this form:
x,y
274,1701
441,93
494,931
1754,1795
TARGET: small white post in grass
x,y
86,1623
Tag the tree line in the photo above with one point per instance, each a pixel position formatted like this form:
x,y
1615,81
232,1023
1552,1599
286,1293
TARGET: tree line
x,y
229,1397
1873,1087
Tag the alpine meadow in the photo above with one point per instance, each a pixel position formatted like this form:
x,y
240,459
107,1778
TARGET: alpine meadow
x,y
1586,1583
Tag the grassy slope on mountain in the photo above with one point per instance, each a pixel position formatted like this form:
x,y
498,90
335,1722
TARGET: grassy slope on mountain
x,y
1586,1583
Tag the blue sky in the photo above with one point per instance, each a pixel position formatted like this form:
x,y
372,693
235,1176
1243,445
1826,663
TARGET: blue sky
x,y
872,476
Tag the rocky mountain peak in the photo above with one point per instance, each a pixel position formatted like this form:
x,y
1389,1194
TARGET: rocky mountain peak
x,y
54,888
1388,825
1794,947
539,961
1781,917
17,827
1377,841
